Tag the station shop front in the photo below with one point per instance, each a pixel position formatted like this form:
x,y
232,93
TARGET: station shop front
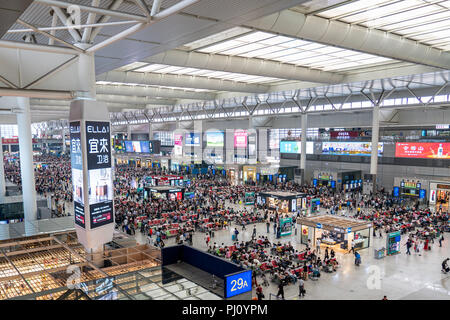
x,y
334,232
283,202
440,195
411,188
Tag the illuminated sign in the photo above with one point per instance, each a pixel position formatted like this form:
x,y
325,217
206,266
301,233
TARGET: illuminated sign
x,y
240,138
77,173
99,173
350,148
238,283
425,150
192,139
296,147
214,139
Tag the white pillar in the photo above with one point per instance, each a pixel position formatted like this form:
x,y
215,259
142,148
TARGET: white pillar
x,y
26,159
63,132
375,139
304,122
128,131
150,131
2,171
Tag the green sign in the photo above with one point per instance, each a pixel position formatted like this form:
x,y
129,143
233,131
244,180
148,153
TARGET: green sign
x,y
393,243
285,226
249,198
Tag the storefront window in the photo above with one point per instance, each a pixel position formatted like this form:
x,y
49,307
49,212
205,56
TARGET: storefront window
x,y
362,239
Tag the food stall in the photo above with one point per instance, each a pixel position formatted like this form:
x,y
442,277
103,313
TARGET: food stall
x,y
334,232
283,202
164,192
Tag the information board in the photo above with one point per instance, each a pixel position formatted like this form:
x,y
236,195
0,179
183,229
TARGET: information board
x,y
77,173
238,283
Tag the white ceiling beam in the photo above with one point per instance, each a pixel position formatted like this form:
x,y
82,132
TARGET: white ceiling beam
x,y
250,66
90,20
133,99
184,81
66,21
116,4
354,37
153,92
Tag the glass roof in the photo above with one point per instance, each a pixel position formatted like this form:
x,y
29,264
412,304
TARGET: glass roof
x,y
427,21
270,46
161,68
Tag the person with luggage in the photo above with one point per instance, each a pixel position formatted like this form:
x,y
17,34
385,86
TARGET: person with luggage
x,y
281,289
357,258
236,232
254,232
259,292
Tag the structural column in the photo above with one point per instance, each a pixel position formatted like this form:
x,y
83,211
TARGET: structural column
x,y
26,160
128,131
375,139
304,123
150,131
2,172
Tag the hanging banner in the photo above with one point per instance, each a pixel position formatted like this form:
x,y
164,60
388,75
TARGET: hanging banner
x,y
424,150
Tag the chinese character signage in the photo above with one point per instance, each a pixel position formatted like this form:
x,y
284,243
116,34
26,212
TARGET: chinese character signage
x,y
424,150
77,173
98,147
350,148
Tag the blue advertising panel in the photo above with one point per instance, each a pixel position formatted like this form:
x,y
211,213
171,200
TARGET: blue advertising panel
x,y
257,177
129,146
396,192
270,177
145,147
422,193
238,283
315,182
192,139
333,184
290,147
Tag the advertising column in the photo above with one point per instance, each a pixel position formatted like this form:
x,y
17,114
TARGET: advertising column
x,y
90,139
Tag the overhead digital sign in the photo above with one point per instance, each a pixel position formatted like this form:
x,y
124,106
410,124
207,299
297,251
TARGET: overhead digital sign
x,y
238,283
192,139
296,147
99,173
240,138
350,148
424,150
214,139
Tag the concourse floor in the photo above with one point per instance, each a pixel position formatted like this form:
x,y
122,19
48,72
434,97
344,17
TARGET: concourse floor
x,y
398,277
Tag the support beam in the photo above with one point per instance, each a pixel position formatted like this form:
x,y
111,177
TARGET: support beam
x,y
351,36
90,20
153,92
304,125
155,7
104,18
252,66
36,47
134,100
43,94
2,171
65,20
185,81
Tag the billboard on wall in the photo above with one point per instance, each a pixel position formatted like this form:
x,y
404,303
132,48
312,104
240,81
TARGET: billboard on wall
x,y
350,148
192,139
424,150
296,147
214,139
240,138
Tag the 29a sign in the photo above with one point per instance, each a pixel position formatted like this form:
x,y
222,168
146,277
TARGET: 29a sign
x,y
238,283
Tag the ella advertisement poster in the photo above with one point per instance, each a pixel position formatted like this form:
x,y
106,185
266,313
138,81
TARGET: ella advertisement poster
x,y
77,173
350,148
285,226
240,138
296,147
214,139
424,150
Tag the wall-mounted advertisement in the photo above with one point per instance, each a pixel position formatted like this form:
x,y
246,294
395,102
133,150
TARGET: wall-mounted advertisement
x,y
192,139
77,173
296,147
424,150
178,145
285,226
214,139
350,148
240,138
99,173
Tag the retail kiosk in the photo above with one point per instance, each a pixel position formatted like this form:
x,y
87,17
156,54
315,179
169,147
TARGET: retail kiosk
x,y
440,195
283,202
164,192
334,232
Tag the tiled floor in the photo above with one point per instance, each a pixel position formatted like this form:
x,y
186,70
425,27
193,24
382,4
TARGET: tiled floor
x,y
400,277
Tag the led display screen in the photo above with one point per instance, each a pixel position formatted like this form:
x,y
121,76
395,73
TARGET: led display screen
x,y
240,138
424,150
192,139
214,139
296,147
350,148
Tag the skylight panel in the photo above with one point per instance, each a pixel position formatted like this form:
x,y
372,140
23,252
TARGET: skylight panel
x,y
236,31
327,50
256,36
132,66
184,71
169,69
242,49
343,53
275,41
424,28
215,74
401,17
351,7
419,21
263,51
298,56
222,46
312,46
151,68
295,43
280,53
433,35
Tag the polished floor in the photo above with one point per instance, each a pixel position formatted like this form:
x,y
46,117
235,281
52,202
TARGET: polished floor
x,y
416,277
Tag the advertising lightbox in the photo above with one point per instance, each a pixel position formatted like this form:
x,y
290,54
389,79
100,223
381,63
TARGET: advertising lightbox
x,y
77,173
99,173
350,148
214,139
192,139
424,150
240,138
296,147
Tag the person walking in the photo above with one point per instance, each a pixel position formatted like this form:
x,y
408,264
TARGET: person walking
x,y
259,292
441,239
268,226
254,232
301,288
408,246
318,245
281,290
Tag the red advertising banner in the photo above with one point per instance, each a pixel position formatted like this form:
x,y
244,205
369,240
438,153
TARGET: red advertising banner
x,y
426,150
